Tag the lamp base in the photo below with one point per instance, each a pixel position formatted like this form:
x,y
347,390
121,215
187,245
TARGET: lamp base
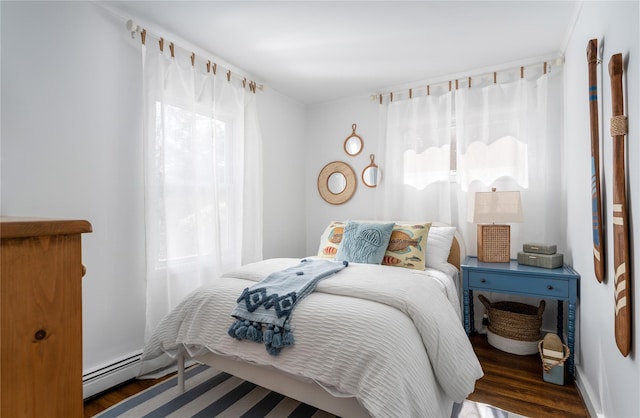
x,y
494,243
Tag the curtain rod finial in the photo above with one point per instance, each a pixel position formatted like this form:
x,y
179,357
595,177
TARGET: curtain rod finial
x,y
132,27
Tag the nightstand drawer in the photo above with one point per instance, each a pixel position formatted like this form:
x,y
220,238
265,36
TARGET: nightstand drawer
x,y
514,284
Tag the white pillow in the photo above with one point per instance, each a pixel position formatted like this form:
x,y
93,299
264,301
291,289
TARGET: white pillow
x,y
439,243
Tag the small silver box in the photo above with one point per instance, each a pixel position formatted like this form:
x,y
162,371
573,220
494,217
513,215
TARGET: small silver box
x,y
549,261
537,248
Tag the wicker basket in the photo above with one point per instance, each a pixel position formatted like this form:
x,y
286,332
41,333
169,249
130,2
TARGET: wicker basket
x,y
516,325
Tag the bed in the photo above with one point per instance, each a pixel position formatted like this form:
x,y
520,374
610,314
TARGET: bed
x,y
371,340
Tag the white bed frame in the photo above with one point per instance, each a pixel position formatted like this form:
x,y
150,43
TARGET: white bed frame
x,y
305,391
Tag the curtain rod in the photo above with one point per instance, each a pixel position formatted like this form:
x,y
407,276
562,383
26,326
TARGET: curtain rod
x,y
134,28
454,82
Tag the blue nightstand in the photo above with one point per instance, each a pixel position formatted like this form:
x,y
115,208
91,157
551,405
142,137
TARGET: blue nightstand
x,y
512,278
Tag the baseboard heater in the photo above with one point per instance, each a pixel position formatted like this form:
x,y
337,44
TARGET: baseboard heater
x,y
104,377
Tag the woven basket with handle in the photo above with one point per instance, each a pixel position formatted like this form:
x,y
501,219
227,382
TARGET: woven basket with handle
x,y
514,320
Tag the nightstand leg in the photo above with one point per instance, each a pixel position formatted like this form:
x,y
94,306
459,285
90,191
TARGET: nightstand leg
x,y
467,297
571,335
560,325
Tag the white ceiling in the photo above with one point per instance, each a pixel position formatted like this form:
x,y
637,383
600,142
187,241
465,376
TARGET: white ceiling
x,y
319,51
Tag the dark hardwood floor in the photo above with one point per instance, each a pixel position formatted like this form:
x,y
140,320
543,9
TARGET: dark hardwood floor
x,y
98,403
510,382
515,383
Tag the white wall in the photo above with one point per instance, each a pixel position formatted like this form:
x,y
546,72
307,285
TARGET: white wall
x,y
329,125
611,382
71,148
284,129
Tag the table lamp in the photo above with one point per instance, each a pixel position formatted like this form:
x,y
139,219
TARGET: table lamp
x,y
491,211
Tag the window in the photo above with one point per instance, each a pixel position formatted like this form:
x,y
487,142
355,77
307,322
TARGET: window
x,y
196,160
495,124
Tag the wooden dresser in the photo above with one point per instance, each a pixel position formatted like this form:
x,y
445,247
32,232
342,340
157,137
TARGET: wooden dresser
x,y
41,317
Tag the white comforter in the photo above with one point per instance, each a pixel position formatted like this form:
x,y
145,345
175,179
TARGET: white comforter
x,y
389,336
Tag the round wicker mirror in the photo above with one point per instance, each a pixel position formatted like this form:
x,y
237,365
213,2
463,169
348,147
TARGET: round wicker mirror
x,y
337,182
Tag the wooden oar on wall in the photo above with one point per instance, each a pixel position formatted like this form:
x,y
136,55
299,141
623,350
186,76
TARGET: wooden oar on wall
x,y
596,202
622,280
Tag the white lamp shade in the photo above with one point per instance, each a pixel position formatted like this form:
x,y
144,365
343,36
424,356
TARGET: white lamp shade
x,y
497,207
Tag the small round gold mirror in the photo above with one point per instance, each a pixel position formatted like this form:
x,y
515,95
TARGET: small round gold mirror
x,y
371,174
337,182
353,144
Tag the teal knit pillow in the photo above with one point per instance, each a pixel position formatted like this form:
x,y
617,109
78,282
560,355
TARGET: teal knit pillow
x,y
364,242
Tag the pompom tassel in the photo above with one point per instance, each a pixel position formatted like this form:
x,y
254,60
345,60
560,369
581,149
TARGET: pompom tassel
x,y
252,333
273,351
241,330
287,335
258,327
287,339
277,340
268,335
273,337
232,329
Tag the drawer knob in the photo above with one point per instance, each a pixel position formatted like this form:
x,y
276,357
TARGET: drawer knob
x,y
40,335
483,281
549,287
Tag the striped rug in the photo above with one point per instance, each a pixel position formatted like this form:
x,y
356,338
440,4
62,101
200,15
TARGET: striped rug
x,y
211,393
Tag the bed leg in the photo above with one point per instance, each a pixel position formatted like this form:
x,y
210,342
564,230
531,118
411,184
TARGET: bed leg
x,y
181,373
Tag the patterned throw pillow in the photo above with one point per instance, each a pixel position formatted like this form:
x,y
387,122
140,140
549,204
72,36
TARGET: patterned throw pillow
x,y
407,246
364,242
331,239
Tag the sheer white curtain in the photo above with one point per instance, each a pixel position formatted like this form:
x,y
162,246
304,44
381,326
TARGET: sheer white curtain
x,y
508,136
203,192
505,135
494,126
417,158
